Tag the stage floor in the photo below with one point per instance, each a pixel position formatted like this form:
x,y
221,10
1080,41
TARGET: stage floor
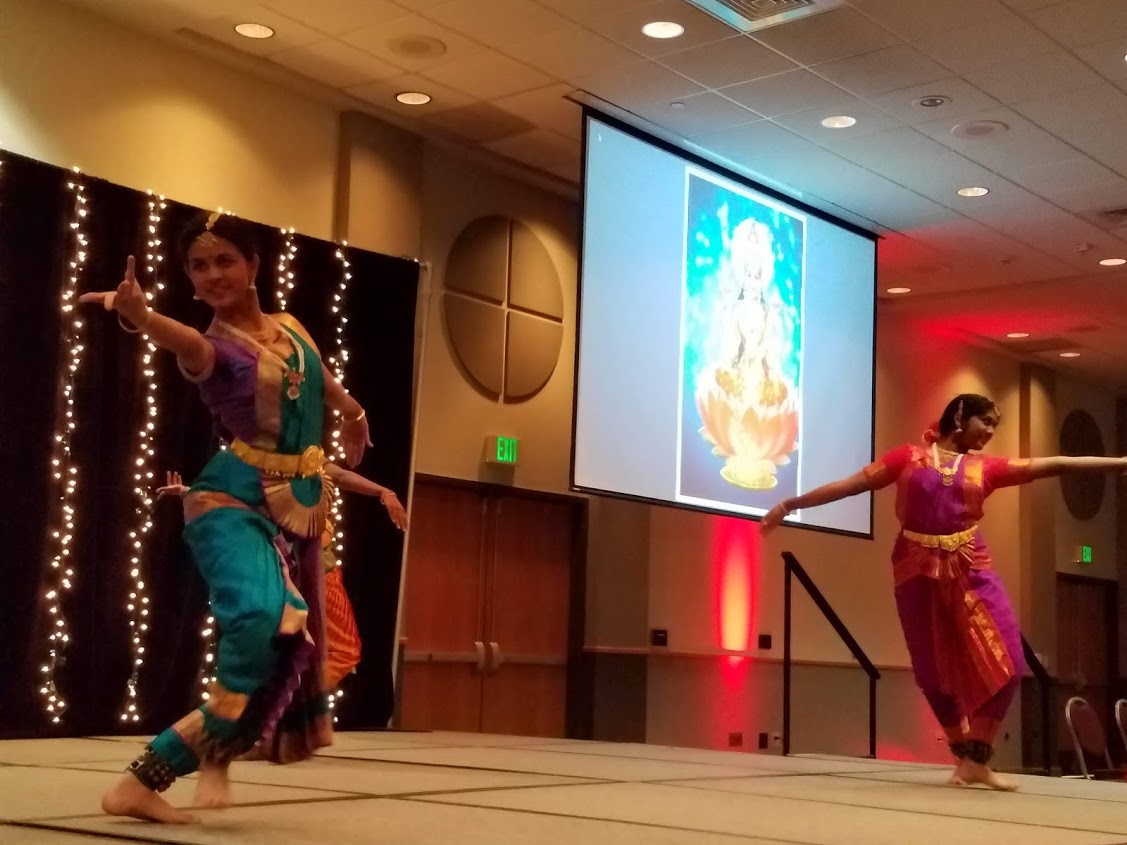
x,y
469,789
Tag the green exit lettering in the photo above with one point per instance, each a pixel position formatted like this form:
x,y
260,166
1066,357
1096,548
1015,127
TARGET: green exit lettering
x,y
506,450
1085,554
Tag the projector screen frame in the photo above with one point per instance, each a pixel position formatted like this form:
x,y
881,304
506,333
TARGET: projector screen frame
x,y
590,113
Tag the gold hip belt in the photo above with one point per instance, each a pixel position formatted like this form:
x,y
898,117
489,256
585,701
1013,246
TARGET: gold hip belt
x,y
276,464
947,542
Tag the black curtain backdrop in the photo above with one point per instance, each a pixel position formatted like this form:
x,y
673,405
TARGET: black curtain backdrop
x,y
36,209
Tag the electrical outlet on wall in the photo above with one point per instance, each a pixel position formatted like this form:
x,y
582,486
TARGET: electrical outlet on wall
x,y
763,740
736,740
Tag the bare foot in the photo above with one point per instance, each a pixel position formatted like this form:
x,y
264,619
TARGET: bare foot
x,y
971,773
955,779
212,788
128,797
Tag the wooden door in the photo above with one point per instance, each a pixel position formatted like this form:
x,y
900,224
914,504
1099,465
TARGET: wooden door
x,y
1086,651
442,610
527,615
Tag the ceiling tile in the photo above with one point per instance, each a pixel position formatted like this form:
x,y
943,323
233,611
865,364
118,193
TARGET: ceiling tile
x,y
287,33
1038,76
1030,5
963,98
418,5
586,11
336,63
547,107
808,124
1107,58
1103,103
1022,145
698,114
736,59
636,84
819,173
336,17
1079,22
882,70
487,75
830,35
784,93
750,144
917,162
1002,38
382,93
625,26
160,16
571,53
207,8
539,147
399,42
1111,195
1102,141
912,19
1060,176
481,122
498,22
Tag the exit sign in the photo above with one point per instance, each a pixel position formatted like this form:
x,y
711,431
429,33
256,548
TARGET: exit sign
x,y
501,450
1083,554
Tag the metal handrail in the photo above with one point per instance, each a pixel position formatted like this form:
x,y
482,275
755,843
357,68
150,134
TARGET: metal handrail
x,y
1045,684
794,569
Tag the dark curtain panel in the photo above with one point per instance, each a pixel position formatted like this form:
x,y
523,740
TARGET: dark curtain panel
x,y
36,209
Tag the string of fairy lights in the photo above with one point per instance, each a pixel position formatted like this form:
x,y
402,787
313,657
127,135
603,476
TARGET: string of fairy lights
x,y
286,282
338,360
64,470
144,472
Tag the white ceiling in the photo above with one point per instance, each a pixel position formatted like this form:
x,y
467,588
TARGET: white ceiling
x,y
1052,71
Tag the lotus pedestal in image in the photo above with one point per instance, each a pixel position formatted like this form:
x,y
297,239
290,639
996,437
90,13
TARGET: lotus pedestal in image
x,y
753,426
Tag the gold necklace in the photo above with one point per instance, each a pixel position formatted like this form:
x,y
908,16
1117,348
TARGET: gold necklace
x,y
948,473
294,378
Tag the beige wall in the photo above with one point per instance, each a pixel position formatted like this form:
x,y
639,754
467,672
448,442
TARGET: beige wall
x,y
1100,531
454,418
76,90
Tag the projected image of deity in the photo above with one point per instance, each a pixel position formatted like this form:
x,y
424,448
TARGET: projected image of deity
x,y
741,336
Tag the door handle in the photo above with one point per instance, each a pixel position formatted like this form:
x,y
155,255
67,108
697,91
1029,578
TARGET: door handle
x,y
496,653
479,647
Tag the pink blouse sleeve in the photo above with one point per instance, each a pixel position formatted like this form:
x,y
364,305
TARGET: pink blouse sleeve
x,y
1004,472
888,467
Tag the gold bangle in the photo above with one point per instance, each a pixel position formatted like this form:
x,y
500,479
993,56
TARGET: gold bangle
x,y
127,326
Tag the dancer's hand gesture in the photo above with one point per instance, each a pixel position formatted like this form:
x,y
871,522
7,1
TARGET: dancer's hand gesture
x,y
395,509
173,486
772,519
128,300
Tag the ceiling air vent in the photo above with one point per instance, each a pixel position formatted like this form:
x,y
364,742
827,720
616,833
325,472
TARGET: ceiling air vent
x,y
754,15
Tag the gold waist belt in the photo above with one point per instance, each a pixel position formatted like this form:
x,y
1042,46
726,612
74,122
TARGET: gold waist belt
x,y
947,542
276,464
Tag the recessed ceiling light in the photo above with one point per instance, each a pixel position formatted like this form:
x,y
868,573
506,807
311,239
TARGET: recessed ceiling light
x,y
413,98
254,30
1113,262
841,121
1070,355
932,102
973,191
898,290
663,29
1016,335
677,105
